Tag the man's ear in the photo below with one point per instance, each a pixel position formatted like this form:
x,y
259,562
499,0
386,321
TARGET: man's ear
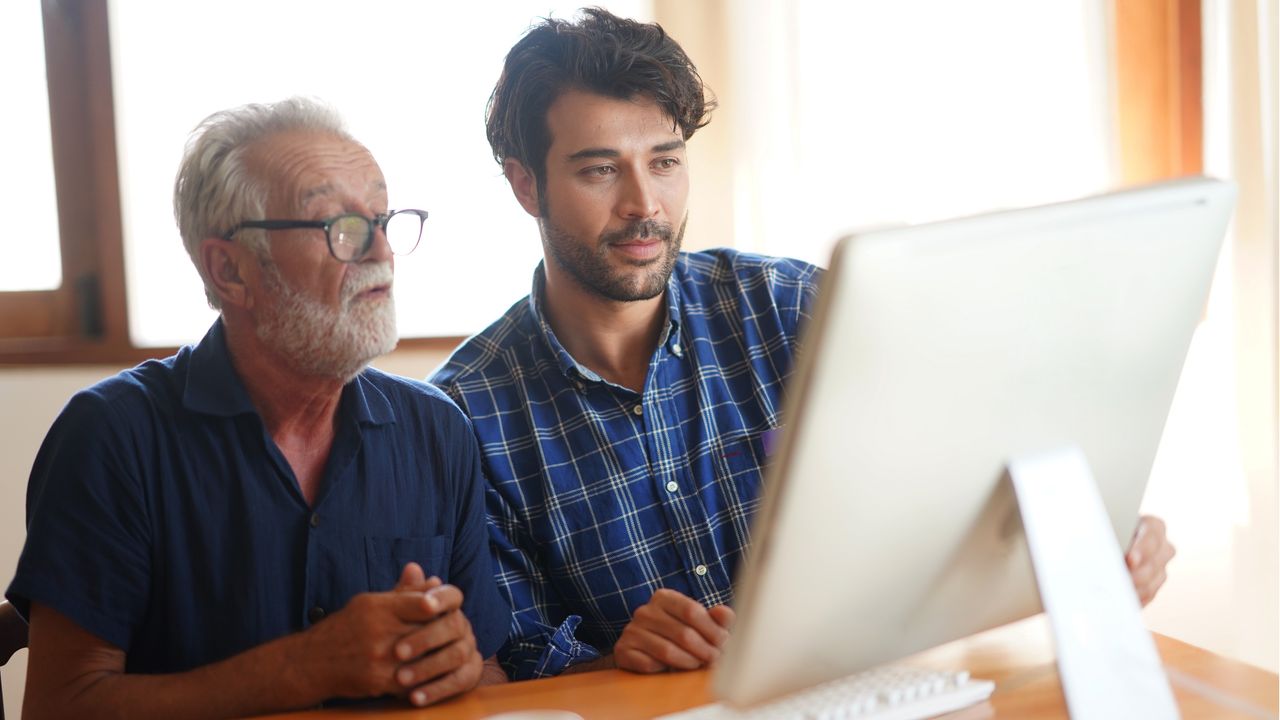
x,y
222,262
523,185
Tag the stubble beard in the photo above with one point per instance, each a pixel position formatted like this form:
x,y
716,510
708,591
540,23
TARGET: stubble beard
x,y
590,268
323,341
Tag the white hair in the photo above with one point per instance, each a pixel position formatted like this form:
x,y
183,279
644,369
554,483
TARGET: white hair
x,y
215,190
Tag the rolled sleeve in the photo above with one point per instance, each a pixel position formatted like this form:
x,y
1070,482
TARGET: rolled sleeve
x,y
561,651
536,647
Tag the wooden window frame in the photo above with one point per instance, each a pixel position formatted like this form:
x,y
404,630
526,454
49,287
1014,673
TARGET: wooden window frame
x,y
85,319
1158,72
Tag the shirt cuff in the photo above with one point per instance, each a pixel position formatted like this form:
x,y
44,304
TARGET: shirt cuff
x,y
564,650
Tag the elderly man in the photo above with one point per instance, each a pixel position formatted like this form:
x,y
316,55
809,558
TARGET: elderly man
x,y
622,406
261,522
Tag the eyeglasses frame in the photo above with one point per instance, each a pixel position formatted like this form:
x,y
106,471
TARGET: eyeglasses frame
x,y
377,221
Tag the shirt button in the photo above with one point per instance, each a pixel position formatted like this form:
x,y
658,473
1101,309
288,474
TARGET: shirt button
x,y
672,486
315,520
316,614
676,349
700,570
637,410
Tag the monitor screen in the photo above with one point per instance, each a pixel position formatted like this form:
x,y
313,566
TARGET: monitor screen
x,y
935,354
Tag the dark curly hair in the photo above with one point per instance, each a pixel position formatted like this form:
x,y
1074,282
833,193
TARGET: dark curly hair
x,y
601,53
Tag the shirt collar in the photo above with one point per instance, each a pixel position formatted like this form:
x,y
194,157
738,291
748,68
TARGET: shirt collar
x,y
571,368
214,388
212,385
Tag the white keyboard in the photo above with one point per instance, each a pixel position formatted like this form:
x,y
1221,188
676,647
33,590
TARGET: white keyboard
x,y
885,693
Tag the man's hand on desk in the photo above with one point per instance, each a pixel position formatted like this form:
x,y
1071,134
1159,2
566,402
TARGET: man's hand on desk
x,y
455,662
356,652
413,642
1149,553
672,632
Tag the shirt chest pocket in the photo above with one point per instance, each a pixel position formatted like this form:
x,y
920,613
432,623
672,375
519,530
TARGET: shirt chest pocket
x,y
387,556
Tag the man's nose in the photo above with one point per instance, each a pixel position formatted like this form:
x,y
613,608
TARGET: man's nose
x,y
379,246
639,199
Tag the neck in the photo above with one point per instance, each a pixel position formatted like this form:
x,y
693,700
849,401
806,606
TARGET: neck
x,y
614,339
298,410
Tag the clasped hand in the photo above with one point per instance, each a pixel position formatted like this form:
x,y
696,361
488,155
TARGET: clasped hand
x,y
413,641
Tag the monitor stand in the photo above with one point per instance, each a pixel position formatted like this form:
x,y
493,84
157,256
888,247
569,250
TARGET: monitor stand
x,y
1107,659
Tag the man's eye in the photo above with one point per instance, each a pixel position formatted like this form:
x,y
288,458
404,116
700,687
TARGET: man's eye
x,y
599,170
668,163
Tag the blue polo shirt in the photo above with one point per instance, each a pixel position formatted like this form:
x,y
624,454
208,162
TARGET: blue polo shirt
x,y
162,518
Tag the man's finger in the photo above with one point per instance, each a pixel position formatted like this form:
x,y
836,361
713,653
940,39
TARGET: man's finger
x,y
660,622
634,660
689,612
437,664
667,652
419,607
411,577
723,615
434,634
457,680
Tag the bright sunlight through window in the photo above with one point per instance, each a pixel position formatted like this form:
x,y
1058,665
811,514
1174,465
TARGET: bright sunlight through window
x,y
30,242
918,110
410,78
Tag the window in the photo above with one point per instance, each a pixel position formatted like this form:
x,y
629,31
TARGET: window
x,y
81,318
875,114
410,78
29,245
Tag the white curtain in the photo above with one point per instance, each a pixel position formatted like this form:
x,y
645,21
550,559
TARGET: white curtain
x,y
841,116
1241,42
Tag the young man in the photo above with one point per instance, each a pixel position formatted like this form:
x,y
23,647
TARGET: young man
x,y
249,526
623,407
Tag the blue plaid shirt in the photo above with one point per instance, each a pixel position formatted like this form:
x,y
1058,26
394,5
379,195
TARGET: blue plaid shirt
x,y
597,495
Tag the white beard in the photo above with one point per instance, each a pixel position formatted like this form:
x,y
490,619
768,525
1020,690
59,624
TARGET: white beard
x,y
323,341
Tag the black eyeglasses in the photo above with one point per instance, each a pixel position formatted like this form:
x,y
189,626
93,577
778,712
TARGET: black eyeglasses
x,y
351,235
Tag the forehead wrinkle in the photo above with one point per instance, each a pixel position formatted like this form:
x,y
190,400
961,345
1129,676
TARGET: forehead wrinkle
x,y
328,165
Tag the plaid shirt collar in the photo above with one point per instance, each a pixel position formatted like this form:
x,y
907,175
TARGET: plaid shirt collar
x,y
570,368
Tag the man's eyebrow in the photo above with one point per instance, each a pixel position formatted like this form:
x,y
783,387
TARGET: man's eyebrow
x,y
594,153
602,152
315,192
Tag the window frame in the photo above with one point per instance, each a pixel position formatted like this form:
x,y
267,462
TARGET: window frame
x,y
84,319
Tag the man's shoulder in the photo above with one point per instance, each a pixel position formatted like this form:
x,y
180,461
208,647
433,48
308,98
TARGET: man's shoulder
x,y
712,281
727,265
151,387
491,355
401,386
409,395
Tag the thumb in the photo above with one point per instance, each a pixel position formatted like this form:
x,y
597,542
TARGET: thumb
x,y
411,577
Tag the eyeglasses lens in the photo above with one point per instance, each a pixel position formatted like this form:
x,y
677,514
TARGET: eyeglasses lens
x,y
348,237
404,230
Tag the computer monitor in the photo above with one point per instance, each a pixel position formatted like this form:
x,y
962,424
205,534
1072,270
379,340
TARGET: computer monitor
x,y
935,354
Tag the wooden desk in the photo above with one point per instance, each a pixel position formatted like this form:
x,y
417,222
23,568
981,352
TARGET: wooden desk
x,y
1018,657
